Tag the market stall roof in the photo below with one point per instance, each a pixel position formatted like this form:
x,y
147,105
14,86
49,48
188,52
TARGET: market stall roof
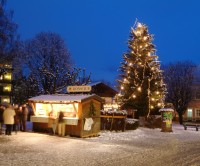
x,y
166,109
64,98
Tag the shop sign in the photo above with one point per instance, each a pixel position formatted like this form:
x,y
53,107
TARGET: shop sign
x,y
83,88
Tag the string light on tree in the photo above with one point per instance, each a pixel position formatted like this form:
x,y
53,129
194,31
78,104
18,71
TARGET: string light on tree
x,y
141,77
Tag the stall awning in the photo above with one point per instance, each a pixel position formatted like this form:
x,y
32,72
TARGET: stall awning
x,y
64,98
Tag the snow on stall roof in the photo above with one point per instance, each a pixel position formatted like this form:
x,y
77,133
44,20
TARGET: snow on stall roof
x,y
166,109
64,98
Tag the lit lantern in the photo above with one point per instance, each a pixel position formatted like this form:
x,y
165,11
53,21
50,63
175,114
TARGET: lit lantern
x,y
145,38
139,89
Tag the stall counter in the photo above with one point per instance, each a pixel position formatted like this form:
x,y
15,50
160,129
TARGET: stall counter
x,y
45,119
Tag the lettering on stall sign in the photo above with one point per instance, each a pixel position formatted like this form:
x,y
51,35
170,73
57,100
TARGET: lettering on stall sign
x,y
79,88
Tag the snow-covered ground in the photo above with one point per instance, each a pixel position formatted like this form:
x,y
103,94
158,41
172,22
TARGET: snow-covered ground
x,y
147,147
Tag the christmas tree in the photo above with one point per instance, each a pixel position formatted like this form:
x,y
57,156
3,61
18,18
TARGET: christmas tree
x,y
141,80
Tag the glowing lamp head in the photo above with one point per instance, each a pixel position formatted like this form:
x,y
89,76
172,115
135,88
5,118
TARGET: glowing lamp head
x,y
159,104
145,38
139,89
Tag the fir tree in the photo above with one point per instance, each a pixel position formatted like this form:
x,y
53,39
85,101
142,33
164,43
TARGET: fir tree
x,y
141,81
92,109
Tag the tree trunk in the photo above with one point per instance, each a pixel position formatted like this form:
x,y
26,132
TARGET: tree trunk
x,y
180,118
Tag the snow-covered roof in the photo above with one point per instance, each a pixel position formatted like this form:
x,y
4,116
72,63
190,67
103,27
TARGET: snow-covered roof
x,y
64,98
103,89
166,109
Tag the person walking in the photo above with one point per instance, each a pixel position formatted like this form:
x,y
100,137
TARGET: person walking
x,y
24,116
8,117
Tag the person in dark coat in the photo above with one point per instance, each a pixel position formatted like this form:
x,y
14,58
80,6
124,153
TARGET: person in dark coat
x,y
24,116
2,108
20,118
16,126
61,124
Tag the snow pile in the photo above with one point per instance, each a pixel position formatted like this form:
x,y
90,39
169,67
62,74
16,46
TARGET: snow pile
x,y
133,147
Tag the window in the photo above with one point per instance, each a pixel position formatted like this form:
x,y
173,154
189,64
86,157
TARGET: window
x,y
8,66
197,96
5,99
69,110
189,113
7,76
198,112
7,88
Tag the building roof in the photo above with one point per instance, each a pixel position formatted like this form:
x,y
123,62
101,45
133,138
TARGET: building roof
x,y
64,98
103,90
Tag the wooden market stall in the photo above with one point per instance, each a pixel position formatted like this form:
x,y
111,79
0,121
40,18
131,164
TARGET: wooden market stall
x,y
113,120
81,113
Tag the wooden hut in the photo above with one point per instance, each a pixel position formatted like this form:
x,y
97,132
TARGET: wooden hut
x,y
81,112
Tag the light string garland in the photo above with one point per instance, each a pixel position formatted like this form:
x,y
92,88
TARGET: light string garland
x,y
140,72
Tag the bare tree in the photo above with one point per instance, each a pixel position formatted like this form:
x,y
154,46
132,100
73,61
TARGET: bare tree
x,y
179,78
8,36
49,63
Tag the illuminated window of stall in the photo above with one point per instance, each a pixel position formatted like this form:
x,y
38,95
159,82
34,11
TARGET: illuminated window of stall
x,y
41,109
7,88
71,110
8,76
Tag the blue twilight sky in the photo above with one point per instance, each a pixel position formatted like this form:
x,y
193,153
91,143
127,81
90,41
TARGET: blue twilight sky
x,y
96,31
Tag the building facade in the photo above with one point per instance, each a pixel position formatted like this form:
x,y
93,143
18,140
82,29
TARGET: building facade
x,y
193,111
105,92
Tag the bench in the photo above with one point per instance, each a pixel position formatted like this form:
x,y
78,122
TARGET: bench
x,y
187,124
